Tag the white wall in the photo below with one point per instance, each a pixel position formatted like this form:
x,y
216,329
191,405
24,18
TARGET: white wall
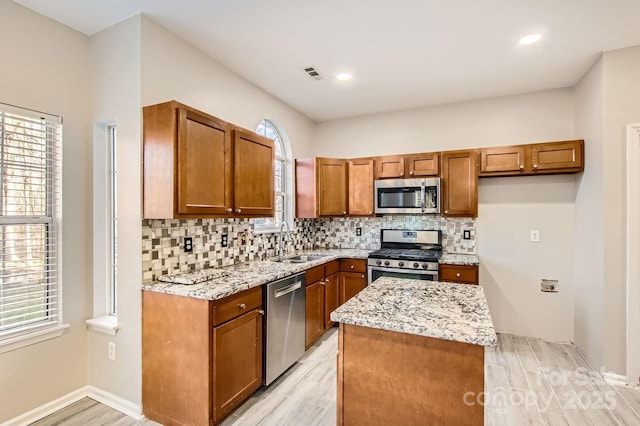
x,y
115,89
44,67
173,69
511,266
588,248
621,106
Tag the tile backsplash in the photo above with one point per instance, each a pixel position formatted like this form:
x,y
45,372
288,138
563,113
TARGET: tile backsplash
x,y
162,240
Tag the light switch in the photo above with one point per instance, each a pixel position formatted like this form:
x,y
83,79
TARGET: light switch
x,y
535,236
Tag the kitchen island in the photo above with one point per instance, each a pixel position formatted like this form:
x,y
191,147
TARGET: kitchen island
x,y
412,352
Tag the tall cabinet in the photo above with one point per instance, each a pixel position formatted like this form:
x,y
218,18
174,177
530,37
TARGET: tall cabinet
x,y
459,183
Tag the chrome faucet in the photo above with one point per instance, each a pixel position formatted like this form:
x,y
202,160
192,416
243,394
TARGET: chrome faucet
x,y
283,224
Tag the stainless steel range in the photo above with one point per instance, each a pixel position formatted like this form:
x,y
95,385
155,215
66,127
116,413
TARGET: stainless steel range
x,y
406,254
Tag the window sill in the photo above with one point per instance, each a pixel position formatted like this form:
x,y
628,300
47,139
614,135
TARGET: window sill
x,y
32,338
107,324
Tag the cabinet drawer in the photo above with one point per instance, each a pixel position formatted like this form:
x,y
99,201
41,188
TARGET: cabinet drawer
x,y
315,274
353,265
459,274
331,268
230,307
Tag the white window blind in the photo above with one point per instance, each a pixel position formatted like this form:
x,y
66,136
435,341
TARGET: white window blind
x,y
30,206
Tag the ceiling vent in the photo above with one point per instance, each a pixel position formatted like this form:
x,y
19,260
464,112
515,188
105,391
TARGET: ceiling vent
x,y
313,73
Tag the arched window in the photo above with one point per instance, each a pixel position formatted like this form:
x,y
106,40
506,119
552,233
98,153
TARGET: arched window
x,y
283,186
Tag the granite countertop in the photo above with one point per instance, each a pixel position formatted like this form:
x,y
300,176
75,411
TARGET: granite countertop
x,y
216,283
457,312
459,259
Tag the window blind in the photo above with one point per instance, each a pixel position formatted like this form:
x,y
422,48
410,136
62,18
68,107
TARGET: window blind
x,y
30,206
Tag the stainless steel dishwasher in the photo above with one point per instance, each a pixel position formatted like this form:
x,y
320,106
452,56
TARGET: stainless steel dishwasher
x,y
285,305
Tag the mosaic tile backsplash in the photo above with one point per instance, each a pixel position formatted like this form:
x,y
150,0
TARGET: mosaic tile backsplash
x,y
162,240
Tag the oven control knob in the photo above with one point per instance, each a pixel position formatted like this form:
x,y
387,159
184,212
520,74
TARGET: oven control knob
x,y
401,264
386,263
415,265
378,262
425,266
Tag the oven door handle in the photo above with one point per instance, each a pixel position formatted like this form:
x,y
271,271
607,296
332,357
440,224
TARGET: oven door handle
x,y
423,196
406,271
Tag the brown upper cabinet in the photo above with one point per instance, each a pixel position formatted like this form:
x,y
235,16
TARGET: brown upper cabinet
x,y
360,187
459,183
533,159
334,187
321,187
407,166
196,165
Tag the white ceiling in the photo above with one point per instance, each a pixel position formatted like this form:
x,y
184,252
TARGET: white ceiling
x,y
402,53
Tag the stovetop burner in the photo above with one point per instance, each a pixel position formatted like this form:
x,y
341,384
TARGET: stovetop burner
x,y
428,255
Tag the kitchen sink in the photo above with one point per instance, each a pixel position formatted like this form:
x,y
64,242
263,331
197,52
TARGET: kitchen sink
x,y
301,258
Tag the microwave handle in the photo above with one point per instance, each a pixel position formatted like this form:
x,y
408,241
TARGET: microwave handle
x,y
423,196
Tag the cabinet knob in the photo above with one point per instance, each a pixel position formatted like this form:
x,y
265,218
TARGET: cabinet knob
x,y
344,212
370,211
242,306
521,167
446,211
326,280
362,275
402,174
238,210
411,173
458,275
261,311
352,266
535,166
229,210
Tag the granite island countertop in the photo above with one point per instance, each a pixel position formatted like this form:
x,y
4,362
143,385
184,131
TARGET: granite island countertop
x,y
450,311
217,283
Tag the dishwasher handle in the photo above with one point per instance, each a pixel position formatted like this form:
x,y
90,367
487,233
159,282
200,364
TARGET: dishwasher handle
x,y
288,289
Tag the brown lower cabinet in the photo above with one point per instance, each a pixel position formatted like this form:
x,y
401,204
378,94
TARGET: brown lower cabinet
x,y
200,358
328,286
466,274
315,324
353,278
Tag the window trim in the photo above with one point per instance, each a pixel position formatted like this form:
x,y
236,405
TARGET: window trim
x,y
103,320
39,332
288,181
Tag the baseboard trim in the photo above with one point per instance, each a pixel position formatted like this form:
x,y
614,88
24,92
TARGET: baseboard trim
x,y
107,398
615,379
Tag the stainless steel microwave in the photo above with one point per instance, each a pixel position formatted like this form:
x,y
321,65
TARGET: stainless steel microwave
x,y
407,196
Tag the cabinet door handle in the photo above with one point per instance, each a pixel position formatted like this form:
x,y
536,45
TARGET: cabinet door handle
x,y
352,266
370,212
326,280
229,210
261,311
446,211
411,173
242,306
521,167
238,210
535,166
362,275
458,275
402,174
344,212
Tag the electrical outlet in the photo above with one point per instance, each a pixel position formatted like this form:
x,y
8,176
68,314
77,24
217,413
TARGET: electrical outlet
x,y
225,240
112,351
358,231
466,234
188,244
549,286
535,236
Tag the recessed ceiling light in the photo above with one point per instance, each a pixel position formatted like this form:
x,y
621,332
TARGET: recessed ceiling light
x,y
530,39
344,76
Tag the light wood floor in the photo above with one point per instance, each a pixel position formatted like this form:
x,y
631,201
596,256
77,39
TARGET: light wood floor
x,y
528,382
